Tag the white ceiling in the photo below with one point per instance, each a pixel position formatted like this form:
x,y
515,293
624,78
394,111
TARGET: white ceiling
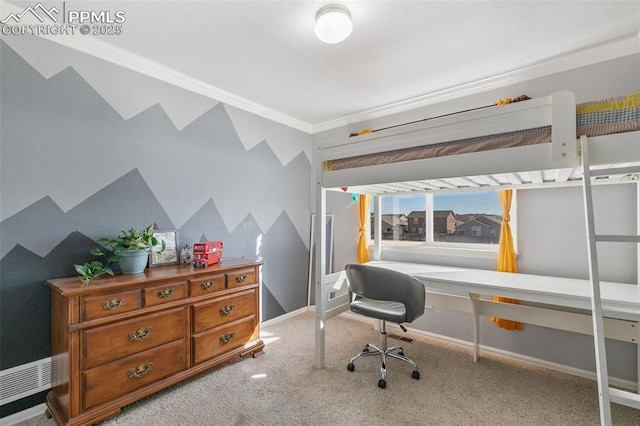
x,y
263,56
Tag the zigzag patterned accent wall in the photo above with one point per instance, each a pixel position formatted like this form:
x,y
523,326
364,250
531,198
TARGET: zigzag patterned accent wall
x,y
74,170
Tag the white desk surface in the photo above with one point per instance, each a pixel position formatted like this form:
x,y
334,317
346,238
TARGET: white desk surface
x,y
618,300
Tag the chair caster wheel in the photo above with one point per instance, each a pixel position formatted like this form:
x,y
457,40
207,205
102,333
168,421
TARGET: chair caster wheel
x,y
351,367
415,375
365,349
401,353
382,383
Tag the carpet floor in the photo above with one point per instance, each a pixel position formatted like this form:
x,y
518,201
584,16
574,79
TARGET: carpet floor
x,y
283,388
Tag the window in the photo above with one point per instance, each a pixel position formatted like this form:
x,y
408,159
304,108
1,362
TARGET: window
x,y
445,220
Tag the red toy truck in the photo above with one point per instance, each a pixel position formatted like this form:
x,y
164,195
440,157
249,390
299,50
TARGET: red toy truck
x,y
207,253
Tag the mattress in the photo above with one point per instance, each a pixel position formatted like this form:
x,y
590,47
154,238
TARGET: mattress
x,y
594,118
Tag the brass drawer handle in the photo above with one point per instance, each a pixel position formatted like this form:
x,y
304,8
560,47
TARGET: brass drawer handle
x,y
166,293
227,337
112,304
241,278
207,285
139,371
227,309
140,334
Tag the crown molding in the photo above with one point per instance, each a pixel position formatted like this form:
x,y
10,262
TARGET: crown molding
x,y
138,63
588,56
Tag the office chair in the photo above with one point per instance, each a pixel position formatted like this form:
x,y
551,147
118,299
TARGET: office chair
x,y
388,296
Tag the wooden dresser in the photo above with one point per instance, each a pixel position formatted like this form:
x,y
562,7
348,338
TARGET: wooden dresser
x,y
120,339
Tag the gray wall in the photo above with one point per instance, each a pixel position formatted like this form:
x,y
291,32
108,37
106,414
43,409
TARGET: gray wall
x,y
78,164
551,230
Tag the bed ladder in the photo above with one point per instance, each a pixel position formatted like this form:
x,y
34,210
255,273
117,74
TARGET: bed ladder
x,y
606,394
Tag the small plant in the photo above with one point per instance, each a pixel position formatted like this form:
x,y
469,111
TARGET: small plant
x,y
133,239
92,270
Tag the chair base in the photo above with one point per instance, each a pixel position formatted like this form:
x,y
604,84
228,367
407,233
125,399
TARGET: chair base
x,y
384,352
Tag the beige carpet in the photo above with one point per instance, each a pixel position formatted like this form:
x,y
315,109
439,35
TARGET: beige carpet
x,y
283,388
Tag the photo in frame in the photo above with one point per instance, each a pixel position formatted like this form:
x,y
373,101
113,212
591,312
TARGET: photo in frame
x,y
170,255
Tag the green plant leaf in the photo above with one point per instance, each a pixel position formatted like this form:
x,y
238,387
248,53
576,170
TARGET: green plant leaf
x,y
81,269
97,252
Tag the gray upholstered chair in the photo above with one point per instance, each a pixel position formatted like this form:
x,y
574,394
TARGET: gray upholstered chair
x,y
388,296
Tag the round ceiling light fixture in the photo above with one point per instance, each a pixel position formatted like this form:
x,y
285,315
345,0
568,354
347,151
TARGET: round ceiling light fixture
x,y
333,23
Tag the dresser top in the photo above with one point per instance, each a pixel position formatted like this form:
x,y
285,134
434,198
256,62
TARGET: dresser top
x,y
72,286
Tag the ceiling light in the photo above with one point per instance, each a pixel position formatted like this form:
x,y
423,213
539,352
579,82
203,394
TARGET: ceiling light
x,y
333,23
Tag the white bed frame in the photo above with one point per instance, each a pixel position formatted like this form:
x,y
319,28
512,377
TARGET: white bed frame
x,y
555,163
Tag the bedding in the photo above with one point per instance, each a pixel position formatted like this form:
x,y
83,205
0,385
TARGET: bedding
x,y
594,118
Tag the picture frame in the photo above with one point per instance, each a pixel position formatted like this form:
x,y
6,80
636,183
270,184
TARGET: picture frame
x,y
170,255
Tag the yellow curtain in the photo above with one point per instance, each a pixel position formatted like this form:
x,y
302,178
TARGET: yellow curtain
x,y
363,250
506,256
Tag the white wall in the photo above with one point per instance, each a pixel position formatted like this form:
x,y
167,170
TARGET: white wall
x,y
552,236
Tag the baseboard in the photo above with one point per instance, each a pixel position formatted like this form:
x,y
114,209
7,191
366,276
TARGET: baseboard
x,y
614,381
23,415
361,318
626,384
287,316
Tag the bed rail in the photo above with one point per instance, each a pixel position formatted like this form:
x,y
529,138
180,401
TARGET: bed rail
x,y
335,289
331,299
364,166
556,110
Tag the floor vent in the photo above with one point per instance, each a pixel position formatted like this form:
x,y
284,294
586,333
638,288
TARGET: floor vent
x,y
404,339
24,380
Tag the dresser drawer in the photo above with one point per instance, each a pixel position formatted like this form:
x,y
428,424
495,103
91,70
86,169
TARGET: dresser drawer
x,y
119,378
164,293
104,344
224,339
222,311
242,277
208,284
110,304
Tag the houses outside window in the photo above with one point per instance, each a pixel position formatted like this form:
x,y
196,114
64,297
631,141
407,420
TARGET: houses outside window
x,y
452,219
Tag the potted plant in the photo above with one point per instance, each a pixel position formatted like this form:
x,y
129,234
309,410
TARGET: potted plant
x,y
92,270
133,247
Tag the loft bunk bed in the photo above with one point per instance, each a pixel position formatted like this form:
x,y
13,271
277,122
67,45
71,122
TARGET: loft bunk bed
x,y
547,141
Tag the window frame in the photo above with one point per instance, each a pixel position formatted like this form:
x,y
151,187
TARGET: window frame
x,y
436,248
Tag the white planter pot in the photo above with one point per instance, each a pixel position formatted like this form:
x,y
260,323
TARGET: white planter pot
x,y
133,261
